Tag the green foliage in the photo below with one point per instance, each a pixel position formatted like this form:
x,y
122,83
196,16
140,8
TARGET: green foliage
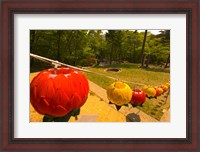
x,y
90,47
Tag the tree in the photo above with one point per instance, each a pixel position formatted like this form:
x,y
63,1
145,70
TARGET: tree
x,y
96,45
134,45
86,47
58,44
164,47
142,51
167,41
114,40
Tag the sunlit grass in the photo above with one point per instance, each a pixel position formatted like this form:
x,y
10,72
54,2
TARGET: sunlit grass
x,y
136,77
133,74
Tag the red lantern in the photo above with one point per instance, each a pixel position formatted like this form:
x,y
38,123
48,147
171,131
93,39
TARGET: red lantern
x,y
164,88
157,92
138,97
58,92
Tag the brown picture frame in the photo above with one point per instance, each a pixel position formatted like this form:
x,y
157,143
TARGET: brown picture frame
x,y
11,7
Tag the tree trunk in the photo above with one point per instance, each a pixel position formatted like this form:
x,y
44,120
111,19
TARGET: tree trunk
x,y
111,55
58,45
142,51
120,56
168,59
32,46
133,58
147,61
33,36
68,43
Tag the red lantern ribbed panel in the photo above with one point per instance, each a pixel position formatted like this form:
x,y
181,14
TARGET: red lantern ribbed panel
x,y
138,97
57,94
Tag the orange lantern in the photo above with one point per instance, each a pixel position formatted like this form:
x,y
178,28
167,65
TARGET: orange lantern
x,y
57,92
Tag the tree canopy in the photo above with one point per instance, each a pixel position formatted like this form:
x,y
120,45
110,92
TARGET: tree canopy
x,y
90,47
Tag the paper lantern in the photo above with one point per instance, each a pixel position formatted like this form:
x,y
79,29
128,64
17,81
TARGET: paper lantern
x,y
119,93
58,92
138,97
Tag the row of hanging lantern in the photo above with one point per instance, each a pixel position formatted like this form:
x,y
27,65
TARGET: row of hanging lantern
x,y
119,93
154,92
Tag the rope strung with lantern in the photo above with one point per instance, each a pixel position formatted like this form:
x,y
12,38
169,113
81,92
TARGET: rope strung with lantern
x,y
59,92
120,94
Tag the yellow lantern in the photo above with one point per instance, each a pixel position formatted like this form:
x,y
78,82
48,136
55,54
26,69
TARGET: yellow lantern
x,y
160,90
144,88
119,93
168,85
165,88
151,92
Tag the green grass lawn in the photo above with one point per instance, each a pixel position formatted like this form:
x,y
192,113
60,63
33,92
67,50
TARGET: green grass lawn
x,y
137,77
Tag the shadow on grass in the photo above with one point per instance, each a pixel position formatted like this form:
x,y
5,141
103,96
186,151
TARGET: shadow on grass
x,y
135,66
122,65
152,69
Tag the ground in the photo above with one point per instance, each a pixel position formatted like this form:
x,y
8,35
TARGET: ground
x,y
97,109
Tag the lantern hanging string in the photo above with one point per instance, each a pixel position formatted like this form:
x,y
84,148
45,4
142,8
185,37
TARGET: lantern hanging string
x,y
57,63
